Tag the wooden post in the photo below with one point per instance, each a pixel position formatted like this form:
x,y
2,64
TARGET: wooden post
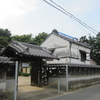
x,y
40,74
48,76
34,74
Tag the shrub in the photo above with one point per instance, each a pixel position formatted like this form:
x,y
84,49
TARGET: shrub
x,y
24,74
19,73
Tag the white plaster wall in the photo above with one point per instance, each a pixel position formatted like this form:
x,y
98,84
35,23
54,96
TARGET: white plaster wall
x,y
88,62
9,84
77,61
54,41
62,60
75,51
62,49
62,52
2,86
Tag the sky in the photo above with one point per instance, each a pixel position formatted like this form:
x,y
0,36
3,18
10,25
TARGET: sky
x,y
36,16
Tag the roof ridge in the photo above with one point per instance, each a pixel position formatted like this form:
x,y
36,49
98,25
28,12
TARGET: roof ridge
x,y
55,32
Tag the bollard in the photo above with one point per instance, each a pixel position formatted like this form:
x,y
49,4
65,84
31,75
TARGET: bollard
x,y
67,78
58,86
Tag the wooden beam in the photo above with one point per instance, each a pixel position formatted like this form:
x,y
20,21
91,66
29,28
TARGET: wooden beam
x,y
26,59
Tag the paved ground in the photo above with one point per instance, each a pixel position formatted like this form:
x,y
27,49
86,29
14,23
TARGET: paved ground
x,y
27,92
90,93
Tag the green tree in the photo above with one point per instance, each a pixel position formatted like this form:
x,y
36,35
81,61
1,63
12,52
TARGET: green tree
x,y
96,47
22,38
3,42
84,40
40,38
37,40
4,37
4,33
94,43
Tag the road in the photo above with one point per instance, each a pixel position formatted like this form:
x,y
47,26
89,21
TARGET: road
x,y
90,93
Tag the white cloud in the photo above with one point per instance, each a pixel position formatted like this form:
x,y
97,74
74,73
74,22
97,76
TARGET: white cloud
x,y
12,13
34,16
10,8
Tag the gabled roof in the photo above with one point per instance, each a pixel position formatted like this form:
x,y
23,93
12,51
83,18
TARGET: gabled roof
x,y
29,50
67,37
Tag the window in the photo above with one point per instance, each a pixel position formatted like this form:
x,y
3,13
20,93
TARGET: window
x,y
83,56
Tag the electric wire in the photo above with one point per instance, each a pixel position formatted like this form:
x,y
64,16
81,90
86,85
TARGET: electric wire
x,y
77,24
61,9
75,18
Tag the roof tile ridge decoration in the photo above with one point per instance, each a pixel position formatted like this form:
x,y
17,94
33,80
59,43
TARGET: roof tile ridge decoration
x,y
20,46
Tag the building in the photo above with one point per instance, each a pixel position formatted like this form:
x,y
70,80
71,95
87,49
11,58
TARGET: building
x,y
67,48
33,54
75,68
94,61
7,73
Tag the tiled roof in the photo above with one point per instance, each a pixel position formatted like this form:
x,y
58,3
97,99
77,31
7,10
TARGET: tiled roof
x,y
30,50
5,60
66,37
71,65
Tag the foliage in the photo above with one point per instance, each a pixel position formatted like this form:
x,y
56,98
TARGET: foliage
x,y
3,42
5,32
23,74
84,40
28,38
19,73
22,38
94,43
4,37
40,38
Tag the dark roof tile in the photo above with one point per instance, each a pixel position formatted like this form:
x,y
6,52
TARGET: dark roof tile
x,y
30,50
5,60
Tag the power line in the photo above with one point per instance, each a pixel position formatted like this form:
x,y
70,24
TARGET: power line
x,y
61,9
75,18
72,19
